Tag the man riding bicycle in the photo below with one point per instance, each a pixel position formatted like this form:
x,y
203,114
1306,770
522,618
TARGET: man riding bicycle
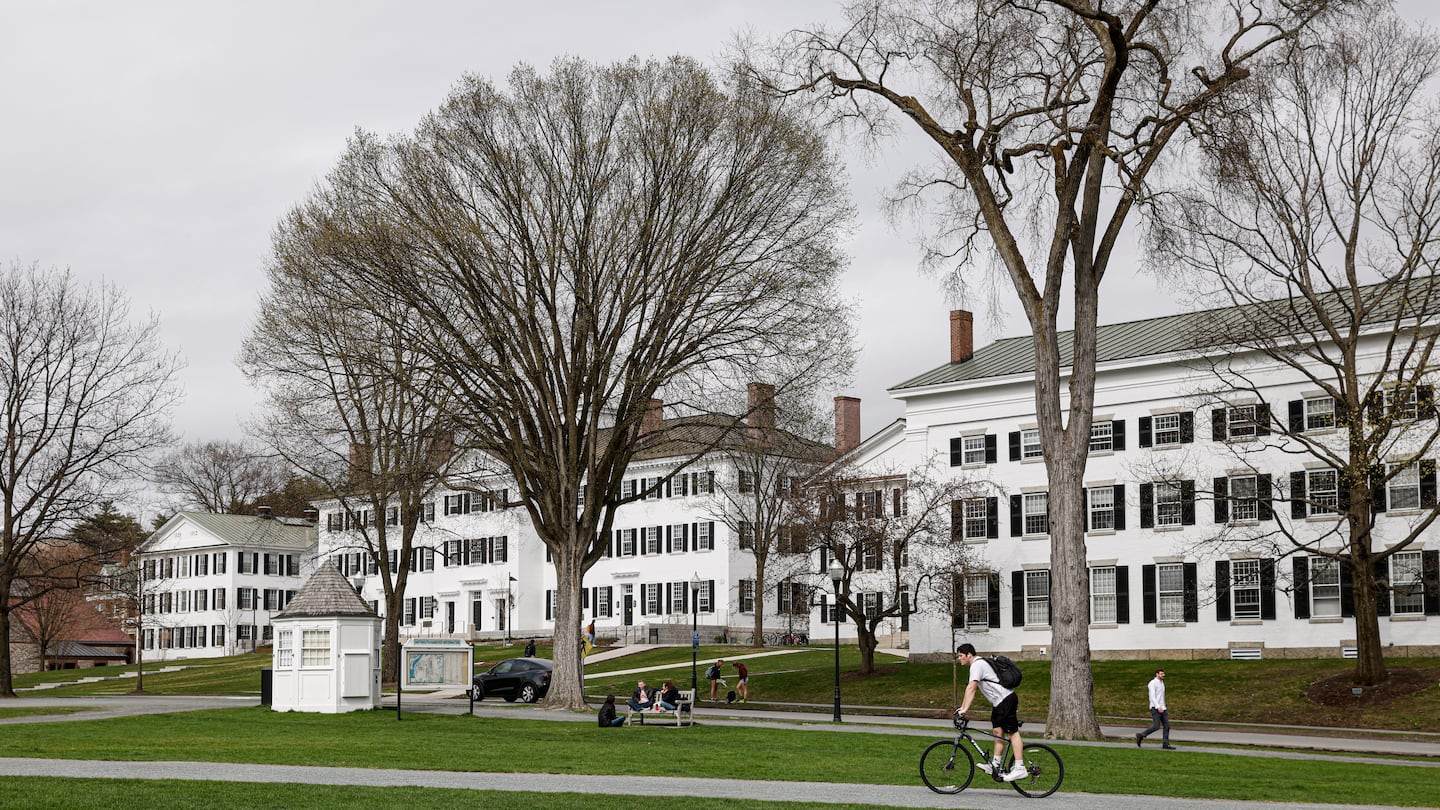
x,y
1004,703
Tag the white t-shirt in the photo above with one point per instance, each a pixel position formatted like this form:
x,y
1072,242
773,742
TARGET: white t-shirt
x,y
980,670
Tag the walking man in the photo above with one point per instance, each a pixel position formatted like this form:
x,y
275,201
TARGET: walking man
x,y
1004,703
1159,715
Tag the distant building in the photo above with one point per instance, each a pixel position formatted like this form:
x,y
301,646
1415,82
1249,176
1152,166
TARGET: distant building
x,y
210,583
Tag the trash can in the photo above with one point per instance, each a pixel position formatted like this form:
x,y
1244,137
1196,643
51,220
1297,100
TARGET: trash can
x,y
267,686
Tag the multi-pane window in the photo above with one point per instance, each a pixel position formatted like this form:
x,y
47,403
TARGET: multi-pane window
x,y
973,449
1167,503
704,540
1407,588
217,599
1102,595
1166,427
651,594
747,596
705,597
1101,502
1030,444
627,542
1324,587
1319,413
652,539
678,590
284,653
314,648
1170,592
1102,436
1037,598
1403,488
604,604
1240,421
976,520
1036,513
1402,409
245,598
1324,494
870,604
746,482
1244,504
1245,589
977,600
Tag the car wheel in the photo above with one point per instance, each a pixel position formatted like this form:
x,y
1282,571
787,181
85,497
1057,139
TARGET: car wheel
x,y
476,693
529,693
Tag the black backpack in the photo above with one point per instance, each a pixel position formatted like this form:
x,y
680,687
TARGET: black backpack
x,y
1007,673
712,673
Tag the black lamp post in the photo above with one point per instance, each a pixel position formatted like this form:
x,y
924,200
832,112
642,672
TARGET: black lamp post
x,y
509,608
837,573
694,630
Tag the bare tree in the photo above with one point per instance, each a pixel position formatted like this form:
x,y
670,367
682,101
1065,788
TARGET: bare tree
x,y
588,241
223,477
84,396
891,532
353,407
1317,219
1051,117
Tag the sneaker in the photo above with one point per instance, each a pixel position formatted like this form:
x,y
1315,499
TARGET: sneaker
x,y
1168,747
1017,772
990,767
1138,738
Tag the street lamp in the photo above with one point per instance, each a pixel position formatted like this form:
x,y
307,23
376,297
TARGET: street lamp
x,y
509,608
837,573
694,629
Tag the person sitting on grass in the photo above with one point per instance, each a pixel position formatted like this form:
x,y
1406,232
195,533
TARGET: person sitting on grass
x,y
608,718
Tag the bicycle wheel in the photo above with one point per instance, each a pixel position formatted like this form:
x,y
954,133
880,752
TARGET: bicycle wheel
x,y
946,767
1046,772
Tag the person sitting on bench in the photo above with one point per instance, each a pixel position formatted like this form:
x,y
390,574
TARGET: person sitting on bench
x,y
642,698
669,697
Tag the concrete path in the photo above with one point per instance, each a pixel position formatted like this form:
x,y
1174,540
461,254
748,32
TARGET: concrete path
x,y
611,786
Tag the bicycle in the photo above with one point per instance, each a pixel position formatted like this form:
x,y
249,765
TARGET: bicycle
x,y
948,767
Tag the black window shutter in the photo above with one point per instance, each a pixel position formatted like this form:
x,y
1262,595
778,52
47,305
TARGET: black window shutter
x,y
1217,424
710,589
1297,495
1342,490
1430,571
1263,489
1427,483
1119,508
1017,598
1262,419
669,597
992,518
1122,594
1301,568
1085,502
957,454
1377,489
1192,592
1187,427
1222,502
1267,590
1017,527
1380,571
1222,590
992,597
1147,593
1145,431
1347,589
1297,416
1147,506
991,454
957,520
1015,445
1374,407
1117,435
1187,503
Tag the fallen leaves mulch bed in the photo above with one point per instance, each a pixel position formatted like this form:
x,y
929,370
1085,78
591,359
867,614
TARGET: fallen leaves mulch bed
x,y
1337,690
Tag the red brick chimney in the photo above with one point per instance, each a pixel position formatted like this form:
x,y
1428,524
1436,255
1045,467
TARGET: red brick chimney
x,y
847,424
762,406
361,462
654,418
441,447
962,335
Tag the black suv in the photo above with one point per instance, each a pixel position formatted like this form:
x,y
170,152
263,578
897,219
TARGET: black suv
x,y
526,679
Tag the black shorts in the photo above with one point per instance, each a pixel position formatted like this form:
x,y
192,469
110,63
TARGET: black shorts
x,y
1003,716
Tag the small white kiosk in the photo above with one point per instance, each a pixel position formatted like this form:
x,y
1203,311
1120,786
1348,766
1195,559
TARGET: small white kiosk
x,y
327,649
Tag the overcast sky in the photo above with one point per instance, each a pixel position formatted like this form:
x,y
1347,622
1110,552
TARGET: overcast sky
x,y
156,144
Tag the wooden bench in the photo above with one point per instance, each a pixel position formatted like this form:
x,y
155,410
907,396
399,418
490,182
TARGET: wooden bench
x,y
684,712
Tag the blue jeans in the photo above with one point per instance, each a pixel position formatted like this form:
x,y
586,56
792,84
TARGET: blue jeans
x,y
617,722
669,707
636,706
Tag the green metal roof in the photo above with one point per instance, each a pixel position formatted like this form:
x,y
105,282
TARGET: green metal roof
x,y
1242,326
249,530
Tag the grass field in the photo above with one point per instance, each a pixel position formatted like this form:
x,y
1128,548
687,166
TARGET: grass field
x,y
463,743
34,711
1269,691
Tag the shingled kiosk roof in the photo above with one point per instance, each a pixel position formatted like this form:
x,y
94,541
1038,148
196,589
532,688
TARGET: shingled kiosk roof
x,y
328,593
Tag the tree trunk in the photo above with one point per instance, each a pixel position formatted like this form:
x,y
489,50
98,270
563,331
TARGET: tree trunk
x,y
759,639
1370,668
7,684
390,655
566,689
865,639
1072,708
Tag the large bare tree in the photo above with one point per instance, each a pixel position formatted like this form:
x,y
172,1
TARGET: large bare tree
x,y
353,406
85,395
575,245
224,477
1051,118
1317,219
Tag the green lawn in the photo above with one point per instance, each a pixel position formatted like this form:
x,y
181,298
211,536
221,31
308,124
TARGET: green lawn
x,y
32,711
463,743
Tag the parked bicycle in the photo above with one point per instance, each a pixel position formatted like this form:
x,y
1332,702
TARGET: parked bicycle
x,y
948,766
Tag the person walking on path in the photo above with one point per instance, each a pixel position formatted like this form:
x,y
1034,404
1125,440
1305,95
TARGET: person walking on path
x,y
1004,703
713,675
743,687
1159,714
530,648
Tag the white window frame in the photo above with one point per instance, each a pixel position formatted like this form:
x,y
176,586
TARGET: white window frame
x,y
1103,604
1102,436
975,521
1170,593
1243,495
1324,588
1030,447
650,592
1037,598
1168,509
1407,411
1322,491
284,653
1402,490
1240,423
972,450
1319,413
1244,589
1101,507
747,596
1162,426
1035,513
704,598
977,600
314,648
870,604
1407,584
